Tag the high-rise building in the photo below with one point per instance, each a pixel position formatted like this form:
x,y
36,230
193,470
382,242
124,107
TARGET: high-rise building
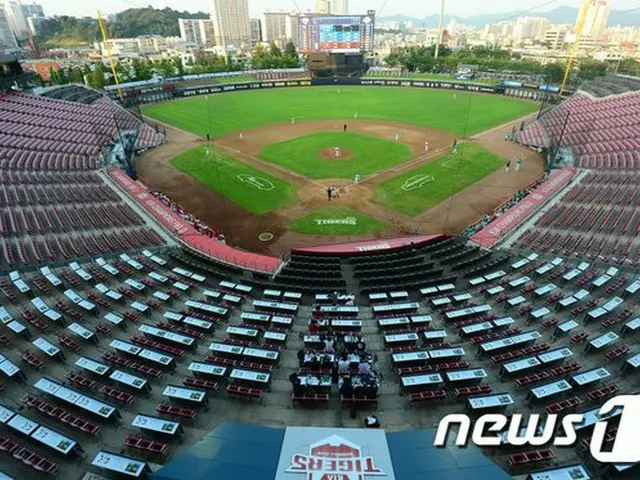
x,y
333,7
555,38
7,38
231,22
13,12
274,27
531,28
596,18
198,31
31,10
256,31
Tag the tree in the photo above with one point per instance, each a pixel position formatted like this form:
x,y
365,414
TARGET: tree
x,y
554,72
629,66
274,50
97,80
177,62
290,56
165,68
141,69
590,69
53,77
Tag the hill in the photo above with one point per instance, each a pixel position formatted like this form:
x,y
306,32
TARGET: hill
x,y
70,31
559,15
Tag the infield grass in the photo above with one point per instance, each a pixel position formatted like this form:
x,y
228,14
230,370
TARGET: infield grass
x,y
461,113
367,154
336,221
418,190
255,190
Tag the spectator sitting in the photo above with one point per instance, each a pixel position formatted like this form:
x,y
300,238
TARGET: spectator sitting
x,y
343,365
293,378
314,365
360,347
370,390
328,346
326,361
301,356
346,390
317,313
364,368
299,390
314,328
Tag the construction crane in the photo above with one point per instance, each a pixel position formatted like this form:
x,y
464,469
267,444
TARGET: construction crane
x,y
106,46
579,27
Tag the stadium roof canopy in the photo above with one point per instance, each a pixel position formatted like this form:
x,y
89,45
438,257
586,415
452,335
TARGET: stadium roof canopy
x,y
250,452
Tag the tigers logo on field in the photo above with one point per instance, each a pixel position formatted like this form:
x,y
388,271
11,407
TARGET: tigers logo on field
x,y
334,458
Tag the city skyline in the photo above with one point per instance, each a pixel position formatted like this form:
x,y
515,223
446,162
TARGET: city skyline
x,y
410,8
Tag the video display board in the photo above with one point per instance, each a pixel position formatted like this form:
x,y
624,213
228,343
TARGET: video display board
x,y
337,34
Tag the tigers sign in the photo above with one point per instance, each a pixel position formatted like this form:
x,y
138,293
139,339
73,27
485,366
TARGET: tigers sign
x,y
331,456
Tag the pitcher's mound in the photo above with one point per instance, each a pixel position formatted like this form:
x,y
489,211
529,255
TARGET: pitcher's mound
x,y
331,154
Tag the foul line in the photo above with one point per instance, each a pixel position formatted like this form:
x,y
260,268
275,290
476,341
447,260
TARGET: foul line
x,y
268,165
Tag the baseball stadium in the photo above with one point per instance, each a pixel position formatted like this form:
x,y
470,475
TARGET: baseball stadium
x,y
310,274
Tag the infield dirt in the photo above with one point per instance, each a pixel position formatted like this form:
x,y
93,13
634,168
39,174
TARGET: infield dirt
x,y
242,228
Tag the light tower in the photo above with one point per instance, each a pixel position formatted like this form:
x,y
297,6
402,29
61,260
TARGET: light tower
x,y
440,22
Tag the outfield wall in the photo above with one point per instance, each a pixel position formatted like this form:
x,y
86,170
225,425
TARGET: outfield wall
x,y
238,87
166,92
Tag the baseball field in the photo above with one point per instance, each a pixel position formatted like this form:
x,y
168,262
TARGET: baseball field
x,y
387,151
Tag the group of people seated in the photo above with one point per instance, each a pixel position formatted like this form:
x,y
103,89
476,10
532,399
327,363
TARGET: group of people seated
x,y
337,298
366,386
347,364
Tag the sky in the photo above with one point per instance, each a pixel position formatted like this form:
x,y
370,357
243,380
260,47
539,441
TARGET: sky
x,y
411,8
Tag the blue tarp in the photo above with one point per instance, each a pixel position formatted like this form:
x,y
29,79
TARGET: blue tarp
x,y
415,458
232,451
249,452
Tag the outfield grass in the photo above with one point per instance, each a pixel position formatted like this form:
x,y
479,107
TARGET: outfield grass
x,y
418,190
252,189
368,154
461,113
356,223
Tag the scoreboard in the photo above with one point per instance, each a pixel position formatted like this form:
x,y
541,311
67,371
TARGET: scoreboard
x,y
337,34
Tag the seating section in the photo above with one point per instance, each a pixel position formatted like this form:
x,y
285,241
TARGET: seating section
x,y
611,85
597,218
48,216
175,336
73,93
601,133
40,133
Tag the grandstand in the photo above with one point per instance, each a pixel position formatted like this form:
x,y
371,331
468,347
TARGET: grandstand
x,y
128,335
597,217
